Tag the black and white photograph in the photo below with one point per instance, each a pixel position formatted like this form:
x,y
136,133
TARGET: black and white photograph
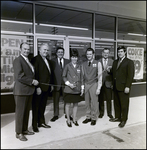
x,y
73,74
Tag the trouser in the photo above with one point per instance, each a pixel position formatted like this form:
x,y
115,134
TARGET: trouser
x,y
91,101
121,105
22,109
56,99
38,108
105,94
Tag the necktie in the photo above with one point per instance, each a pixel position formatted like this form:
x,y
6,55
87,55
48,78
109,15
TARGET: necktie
x,y
118,64
30,65
60,63
47,64
89,63
105,64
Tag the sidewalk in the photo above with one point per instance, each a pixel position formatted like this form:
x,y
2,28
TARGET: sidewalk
x,y
104,135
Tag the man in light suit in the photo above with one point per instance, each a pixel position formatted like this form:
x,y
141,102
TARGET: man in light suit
x,y
24,88
122,74
43,73
92,74
58,65
106,89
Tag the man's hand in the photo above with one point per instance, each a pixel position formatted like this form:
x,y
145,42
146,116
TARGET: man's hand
x,y
97,92
127,90
35,82
52,88
38,91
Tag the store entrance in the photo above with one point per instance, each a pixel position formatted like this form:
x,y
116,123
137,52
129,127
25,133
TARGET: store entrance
x,y
53,43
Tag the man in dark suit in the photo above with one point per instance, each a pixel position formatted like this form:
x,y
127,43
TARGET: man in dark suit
x,y
24,88
106,89
58,65
43,74
122,74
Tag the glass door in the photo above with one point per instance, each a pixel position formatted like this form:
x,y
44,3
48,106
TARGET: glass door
x,y
53,43
81,46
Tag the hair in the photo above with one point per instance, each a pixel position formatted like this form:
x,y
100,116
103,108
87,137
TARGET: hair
x,y
59,48
74,52
22,44
121,47
90,49
106,49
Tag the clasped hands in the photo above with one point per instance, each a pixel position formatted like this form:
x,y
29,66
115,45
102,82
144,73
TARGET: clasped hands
x,y
73,85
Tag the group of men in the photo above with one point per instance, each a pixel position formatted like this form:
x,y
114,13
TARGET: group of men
x,y
34,80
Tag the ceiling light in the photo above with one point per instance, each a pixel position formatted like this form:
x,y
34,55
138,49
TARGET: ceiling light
x,y
136,34
19,22
126,45
67,27
14,32
103,43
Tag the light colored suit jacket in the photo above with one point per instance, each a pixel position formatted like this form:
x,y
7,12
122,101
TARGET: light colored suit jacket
x,y
23,77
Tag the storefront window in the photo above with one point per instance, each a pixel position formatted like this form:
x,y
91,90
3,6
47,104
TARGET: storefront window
x,y
10,49
16,17
57,21
99,46
131,30
104,27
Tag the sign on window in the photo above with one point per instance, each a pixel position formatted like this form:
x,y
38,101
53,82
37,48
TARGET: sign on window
x,y
10,49
137,55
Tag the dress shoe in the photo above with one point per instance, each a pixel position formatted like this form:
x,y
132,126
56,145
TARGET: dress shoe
x,y
28,133
114,120
86,121
100,116
35,129
122,124
70,117
44,125
110,116
75,123
93,122
21,137
69,124
54,118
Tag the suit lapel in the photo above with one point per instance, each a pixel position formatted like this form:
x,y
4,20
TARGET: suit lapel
x,y
24,61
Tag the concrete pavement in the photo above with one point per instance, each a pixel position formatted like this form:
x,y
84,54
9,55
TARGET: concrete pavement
x,y
104,135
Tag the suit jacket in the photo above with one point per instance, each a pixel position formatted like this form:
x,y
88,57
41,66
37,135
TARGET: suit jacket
x,y
42,73
123,75
23,76
74,76
106,77
57,73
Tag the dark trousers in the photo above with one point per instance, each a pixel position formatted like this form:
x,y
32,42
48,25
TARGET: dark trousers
x,y
38,108
56,98
22,109
105,94
121,105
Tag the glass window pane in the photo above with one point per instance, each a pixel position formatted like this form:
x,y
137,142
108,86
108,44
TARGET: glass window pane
x,y
16,16
10,49
59,21
104,27
81,47
132,30
99,46
137,52
53,44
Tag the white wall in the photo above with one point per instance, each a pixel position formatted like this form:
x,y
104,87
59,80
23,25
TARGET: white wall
x,y
135,9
